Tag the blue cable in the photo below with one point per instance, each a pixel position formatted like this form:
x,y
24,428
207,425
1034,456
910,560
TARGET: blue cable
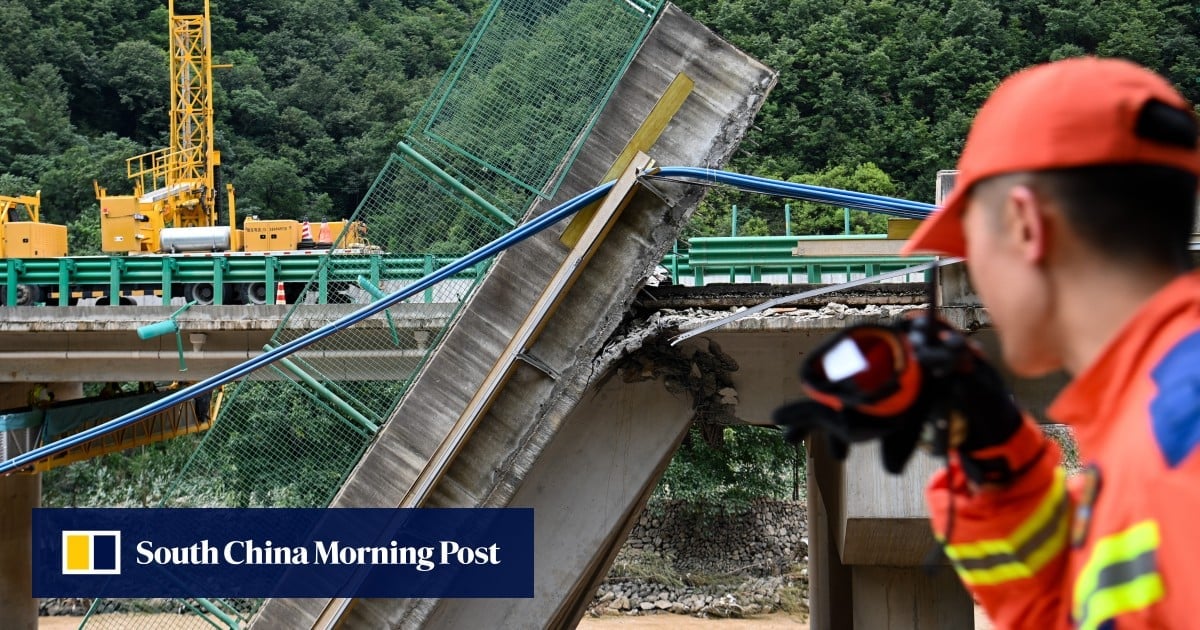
x,y
805,192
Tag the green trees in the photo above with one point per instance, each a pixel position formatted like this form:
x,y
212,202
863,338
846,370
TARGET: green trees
x,y
324,89
873,95
317,95
895,83
732,466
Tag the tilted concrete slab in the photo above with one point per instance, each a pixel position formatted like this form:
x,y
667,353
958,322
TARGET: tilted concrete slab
x,y
523,422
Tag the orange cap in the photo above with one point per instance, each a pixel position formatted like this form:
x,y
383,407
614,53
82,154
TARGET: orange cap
x,y
1070,113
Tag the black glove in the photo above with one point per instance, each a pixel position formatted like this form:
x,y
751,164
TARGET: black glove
x,y
888,383
898,435
970,406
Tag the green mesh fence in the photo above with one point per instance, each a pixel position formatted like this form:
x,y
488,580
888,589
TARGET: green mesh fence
x,y
531,78
288,435
504,123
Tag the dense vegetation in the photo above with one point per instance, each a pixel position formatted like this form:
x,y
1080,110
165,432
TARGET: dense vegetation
x,y
873,95
318,93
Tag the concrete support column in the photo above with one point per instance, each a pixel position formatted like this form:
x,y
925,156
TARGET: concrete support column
x,y
19,494
899,598
868,537
830,591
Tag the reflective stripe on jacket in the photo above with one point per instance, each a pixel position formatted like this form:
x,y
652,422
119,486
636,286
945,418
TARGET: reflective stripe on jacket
x,y
1118,545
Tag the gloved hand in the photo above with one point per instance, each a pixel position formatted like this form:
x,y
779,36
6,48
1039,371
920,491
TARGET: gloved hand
x,y
898,435
890,382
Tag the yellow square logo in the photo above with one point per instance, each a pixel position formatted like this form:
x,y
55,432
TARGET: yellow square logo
x,y
91,552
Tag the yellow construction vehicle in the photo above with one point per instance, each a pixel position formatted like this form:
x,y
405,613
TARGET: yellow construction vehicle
x,y
28,237
175,201
176,205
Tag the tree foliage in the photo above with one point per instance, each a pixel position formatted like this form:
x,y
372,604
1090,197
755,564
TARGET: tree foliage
x,y
895,83
731,466
317,94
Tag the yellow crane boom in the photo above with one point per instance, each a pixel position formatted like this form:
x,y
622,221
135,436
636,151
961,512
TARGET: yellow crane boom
x,y
176,186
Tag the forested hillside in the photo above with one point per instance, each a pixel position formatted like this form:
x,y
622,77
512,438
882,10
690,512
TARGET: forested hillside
x,y
872,95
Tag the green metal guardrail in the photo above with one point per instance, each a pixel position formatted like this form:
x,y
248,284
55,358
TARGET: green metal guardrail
x,y
161,273
732,259
753,257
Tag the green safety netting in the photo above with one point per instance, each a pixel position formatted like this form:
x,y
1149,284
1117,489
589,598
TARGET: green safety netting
x,y
501,128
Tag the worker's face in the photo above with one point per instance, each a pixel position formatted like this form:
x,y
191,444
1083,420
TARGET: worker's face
x,y
1007,272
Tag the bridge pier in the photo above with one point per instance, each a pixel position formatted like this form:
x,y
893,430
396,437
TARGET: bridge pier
x,y
19,495
869,537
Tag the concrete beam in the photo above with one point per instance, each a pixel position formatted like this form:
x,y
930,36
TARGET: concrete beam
x,y
526,415
86,343
769,350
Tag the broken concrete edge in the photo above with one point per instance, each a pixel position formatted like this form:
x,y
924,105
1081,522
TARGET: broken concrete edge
x,y
700,368
649,234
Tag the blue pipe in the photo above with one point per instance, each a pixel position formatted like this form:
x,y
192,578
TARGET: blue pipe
x,y
818,194
517,235
804,192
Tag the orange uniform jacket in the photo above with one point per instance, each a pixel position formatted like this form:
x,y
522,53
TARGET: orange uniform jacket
x,y
1118,546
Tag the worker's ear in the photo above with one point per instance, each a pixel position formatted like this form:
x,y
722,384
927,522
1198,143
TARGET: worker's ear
x,y
1025,223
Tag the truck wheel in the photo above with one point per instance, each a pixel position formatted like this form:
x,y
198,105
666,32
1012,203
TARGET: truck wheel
x,y
252,293
202,293
28,294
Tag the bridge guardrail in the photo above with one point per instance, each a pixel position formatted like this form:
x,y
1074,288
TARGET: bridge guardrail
x,y
770,259
165,273
767,259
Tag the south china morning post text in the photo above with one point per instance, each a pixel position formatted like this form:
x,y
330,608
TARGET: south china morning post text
x,y
239,552
264,552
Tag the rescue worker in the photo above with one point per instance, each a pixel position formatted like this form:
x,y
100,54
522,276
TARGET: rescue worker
x,y
1074,207
40,396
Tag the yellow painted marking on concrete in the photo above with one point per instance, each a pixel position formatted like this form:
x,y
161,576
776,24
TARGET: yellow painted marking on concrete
x,y
902,228
608,210
647,134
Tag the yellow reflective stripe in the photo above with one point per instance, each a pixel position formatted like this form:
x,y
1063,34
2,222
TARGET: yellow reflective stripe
x,y
1044,511
1038,540
1132,582
1017,567
1130,596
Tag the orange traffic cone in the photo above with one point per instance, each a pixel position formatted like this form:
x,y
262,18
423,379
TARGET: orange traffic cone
x,y
305,235
280,294
323,235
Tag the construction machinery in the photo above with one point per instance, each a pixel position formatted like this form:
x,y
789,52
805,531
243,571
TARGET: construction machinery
x,y
175,189
179,203
29,238
23,235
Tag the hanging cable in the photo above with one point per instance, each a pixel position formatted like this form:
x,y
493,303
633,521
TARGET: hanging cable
x,y
791,190
496,246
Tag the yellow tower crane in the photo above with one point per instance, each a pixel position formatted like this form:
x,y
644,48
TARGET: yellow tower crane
x,y
175,189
